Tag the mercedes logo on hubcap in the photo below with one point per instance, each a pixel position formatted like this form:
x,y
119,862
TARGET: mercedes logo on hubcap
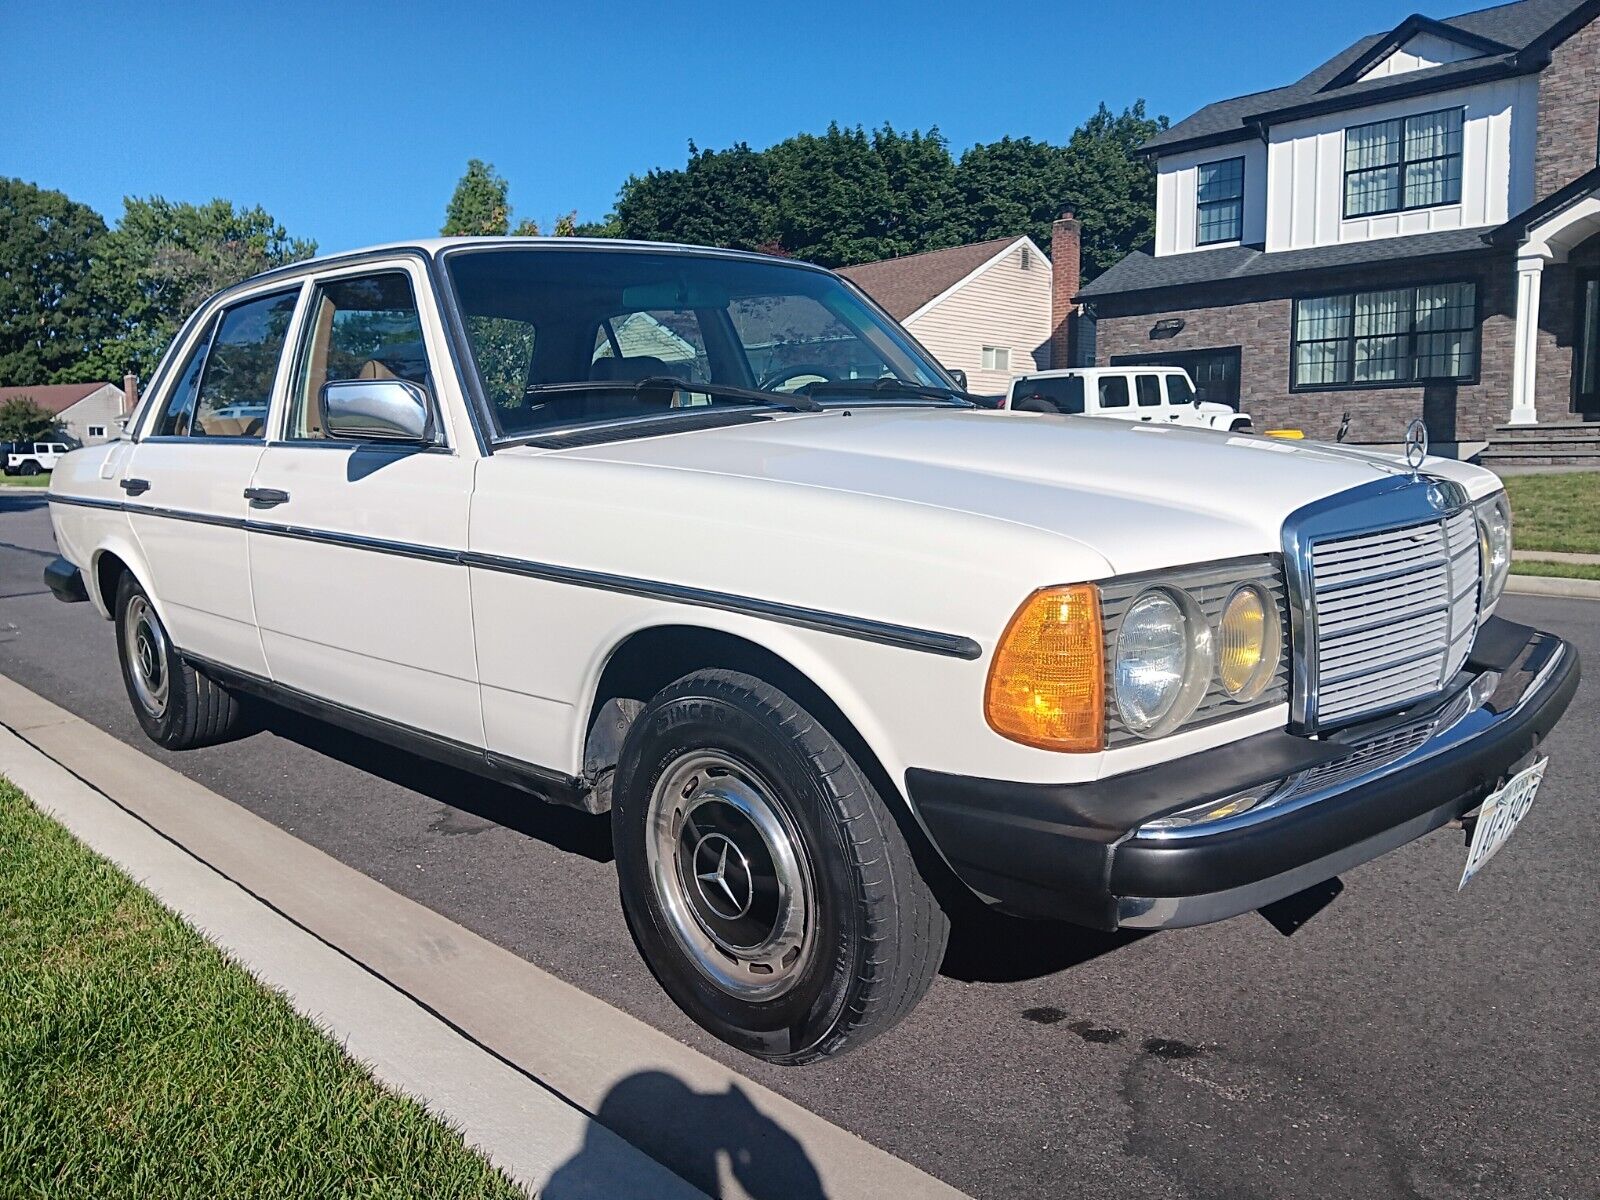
x,y
723,876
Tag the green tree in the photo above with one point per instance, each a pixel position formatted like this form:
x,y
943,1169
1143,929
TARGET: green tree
x,y
22,420
161,261
1011,187
719,198
1109,187
48,317
925,208
480,205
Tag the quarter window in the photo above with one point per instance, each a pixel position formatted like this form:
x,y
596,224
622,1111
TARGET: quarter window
x,y
1113,391
1148,388
1219,193
1410,162
1378,339
363,328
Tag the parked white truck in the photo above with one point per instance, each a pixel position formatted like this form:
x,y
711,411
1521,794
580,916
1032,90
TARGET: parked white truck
x,y
1163,395
35,458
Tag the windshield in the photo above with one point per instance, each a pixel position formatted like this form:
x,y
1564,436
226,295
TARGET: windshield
x,y
564,337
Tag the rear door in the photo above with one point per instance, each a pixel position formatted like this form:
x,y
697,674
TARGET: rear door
x,y
354,546
1115,398
184,481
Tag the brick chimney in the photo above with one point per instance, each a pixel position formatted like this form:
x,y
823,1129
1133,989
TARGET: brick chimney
x,y
1065,273
130,393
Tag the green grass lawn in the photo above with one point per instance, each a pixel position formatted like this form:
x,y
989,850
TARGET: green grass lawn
x,y
28,481
135,1060
1558,570
1555,512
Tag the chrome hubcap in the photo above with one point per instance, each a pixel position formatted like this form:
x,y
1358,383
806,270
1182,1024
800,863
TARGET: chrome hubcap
x,y
146,645
730,874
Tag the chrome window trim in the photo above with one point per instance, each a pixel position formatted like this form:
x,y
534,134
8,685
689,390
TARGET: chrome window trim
x,y
866,629
1389,503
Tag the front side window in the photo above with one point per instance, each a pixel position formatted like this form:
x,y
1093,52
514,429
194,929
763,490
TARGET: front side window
x,y
1179,390
608,320
1409,162
1219,192
1113,391
1381,338
362,328
225,389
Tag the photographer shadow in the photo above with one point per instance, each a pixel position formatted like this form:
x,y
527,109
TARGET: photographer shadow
x,y
692,1133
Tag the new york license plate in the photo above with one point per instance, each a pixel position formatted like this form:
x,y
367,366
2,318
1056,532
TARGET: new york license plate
x,y
1499,817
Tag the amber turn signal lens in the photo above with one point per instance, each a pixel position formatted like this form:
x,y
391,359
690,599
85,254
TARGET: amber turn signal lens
x,y
1047,682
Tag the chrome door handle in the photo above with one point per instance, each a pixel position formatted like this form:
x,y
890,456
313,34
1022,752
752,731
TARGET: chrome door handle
x,y
265,497
134,487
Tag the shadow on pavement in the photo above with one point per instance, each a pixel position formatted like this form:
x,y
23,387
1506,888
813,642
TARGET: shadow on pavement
x,y
689,1132
566,829
990,947
22,500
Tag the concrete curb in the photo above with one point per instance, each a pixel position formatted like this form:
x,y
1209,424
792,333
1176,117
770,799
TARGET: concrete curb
x,y
1553,585
711,1126
520,1126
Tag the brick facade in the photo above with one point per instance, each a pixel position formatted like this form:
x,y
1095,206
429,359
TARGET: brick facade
x,y
1569,112
1259,323
1066,264
1558,326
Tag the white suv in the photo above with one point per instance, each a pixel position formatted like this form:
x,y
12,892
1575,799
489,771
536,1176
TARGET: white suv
x,y
35,459
1123,393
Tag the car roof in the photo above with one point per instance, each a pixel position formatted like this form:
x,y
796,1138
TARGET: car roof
x,y
1123,369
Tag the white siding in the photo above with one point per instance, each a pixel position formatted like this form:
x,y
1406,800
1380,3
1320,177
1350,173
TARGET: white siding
x,y
99,408
1423,50
1001,305
1176,191
1305,168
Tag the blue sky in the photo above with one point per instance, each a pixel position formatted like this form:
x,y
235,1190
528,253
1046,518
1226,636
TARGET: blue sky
x,y
351,122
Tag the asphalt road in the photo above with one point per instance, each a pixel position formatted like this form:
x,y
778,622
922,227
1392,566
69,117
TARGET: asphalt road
x,y
1409,1041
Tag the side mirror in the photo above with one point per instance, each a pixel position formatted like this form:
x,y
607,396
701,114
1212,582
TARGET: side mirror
x,y
376,410
960,377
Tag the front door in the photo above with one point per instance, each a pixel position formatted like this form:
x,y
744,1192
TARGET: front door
x,y
185,479
1586,346
359,591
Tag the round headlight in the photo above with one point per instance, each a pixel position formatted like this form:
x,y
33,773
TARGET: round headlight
x,y
1494,547
1163,653
1249,643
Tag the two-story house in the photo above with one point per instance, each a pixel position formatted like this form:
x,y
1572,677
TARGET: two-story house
x,y
1412,229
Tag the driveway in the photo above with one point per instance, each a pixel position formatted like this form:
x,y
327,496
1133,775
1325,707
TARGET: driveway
x,y
1408,1041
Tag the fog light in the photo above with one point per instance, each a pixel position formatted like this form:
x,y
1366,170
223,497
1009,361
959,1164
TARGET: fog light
x,y
1249,643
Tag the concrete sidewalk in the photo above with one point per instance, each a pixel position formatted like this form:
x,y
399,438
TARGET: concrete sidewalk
x,y
570,1096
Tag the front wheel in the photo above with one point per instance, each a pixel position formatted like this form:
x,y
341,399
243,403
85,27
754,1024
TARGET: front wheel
x,y
766,883
178,707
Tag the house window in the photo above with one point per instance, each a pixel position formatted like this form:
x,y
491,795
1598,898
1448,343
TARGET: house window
x,y
996,358
97,431
1381,339
1219,192
1411,162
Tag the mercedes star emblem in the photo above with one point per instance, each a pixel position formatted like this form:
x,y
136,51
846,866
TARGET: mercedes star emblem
x,y
727,879
1416,444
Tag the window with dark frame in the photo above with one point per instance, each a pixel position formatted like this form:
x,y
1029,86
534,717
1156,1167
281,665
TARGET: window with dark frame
x,y
1404,163
1386,338
1219,202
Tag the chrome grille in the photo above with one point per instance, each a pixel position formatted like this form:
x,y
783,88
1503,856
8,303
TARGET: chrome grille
x,y
1394,614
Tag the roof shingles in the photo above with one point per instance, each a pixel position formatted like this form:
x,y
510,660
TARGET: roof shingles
x,y
903,285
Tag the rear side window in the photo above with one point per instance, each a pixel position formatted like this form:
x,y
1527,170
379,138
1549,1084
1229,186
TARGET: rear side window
x,y
1113,391
1149,389
362,328
225,389
1050,394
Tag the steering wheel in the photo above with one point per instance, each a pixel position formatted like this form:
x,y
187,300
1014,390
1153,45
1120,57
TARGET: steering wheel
x,y
772,382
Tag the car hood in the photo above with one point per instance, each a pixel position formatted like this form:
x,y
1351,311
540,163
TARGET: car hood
x,y
1141,496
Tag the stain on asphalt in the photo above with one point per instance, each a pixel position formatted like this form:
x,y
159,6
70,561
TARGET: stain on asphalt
x,y
1170,1048
1045,1016
452,822
1099,1035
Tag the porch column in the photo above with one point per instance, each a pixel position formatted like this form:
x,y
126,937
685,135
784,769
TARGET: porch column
x,y
1524,374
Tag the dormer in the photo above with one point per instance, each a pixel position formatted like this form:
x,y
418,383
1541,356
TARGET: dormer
x,y
1416,44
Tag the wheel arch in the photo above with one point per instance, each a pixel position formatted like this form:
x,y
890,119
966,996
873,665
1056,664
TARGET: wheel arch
x,y
106,567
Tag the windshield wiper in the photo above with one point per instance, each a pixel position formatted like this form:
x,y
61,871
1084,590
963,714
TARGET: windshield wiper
x,y
796,401
888,385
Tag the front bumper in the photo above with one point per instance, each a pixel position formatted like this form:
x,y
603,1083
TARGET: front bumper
x,y
1086,852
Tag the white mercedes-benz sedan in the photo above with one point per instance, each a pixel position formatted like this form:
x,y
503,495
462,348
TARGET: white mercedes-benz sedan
x,y
706,540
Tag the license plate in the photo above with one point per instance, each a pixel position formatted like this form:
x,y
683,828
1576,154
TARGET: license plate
x,y
1499,817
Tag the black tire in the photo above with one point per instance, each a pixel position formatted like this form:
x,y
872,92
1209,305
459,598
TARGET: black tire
x,y
193,710
1241,427
1037,404
875,935
30,468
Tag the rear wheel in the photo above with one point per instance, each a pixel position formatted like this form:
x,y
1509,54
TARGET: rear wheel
x,y
178,707
767,885
29,468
